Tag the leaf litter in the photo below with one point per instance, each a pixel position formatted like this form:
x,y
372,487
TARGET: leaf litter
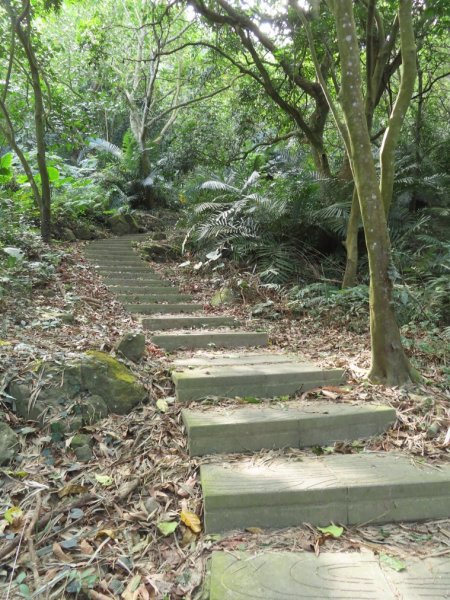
x,y
128,523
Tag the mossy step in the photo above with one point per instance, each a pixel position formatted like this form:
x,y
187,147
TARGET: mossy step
x,y
152,298
206,339
259,380
349,489
295,425
269,575
175,321
147,309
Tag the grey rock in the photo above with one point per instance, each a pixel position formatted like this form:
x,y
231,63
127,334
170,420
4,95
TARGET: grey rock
x,y
9,441
105,376
79,440
151,505
122,224
160,252
67,235
132,346
84,232
93,408
83,453
78,393
223,296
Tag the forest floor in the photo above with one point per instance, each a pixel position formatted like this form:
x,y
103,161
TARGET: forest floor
x,y
77,534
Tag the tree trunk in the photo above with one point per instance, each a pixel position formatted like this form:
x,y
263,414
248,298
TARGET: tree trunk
x,y
23,33
389,362
351,243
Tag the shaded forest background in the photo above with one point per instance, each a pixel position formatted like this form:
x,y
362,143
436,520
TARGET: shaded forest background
x,y
213,111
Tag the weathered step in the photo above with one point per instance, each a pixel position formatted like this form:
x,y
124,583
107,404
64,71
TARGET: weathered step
x,y
206,339
349,489
169,292
152,298
112,254
127,271
260,380
118,263
207,359
328,576
137,279
159,289
252,428
147,309
185,322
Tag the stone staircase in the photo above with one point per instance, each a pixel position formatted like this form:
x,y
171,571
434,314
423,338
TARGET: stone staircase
x,y
255,492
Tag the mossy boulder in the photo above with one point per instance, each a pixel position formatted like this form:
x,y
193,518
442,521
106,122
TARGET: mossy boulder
x,y
122,224
223,296
9,442
84,231
102,375
132,346
78,393
160,252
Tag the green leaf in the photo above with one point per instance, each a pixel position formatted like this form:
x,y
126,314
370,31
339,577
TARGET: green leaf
x,y
24,590
392,562
6,161
104,480
162,405
53,174
332,530
12,514
167,527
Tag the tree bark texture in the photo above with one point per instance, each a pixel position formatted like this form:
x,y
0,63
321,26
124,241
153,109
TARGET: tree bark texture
x,y
389,362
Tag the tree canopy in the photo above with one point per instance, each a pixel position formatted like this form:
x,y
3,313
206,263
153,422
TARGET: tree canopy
x,y
305,141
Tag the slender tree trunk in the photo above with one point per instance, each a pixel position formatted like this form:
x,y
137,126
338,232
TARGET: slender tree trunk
x,y
22,28
351,243
389,362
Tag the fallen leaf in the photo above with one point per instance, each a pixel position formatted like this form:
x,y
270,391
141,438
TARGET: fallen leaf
x,y
191,520
111,533
167,527
86,548
392,562
332,530
254,530
104,480
60,554
162,405
13,515
71,490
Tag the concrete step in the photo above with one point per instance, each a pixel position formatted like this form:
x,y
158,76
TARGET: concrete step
x,y
295,425
259,380
206,339
137,279
348,489
118,263
127,271
180,321
149,288
209,359
112,254
328,576
148,309
152,298
137,292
